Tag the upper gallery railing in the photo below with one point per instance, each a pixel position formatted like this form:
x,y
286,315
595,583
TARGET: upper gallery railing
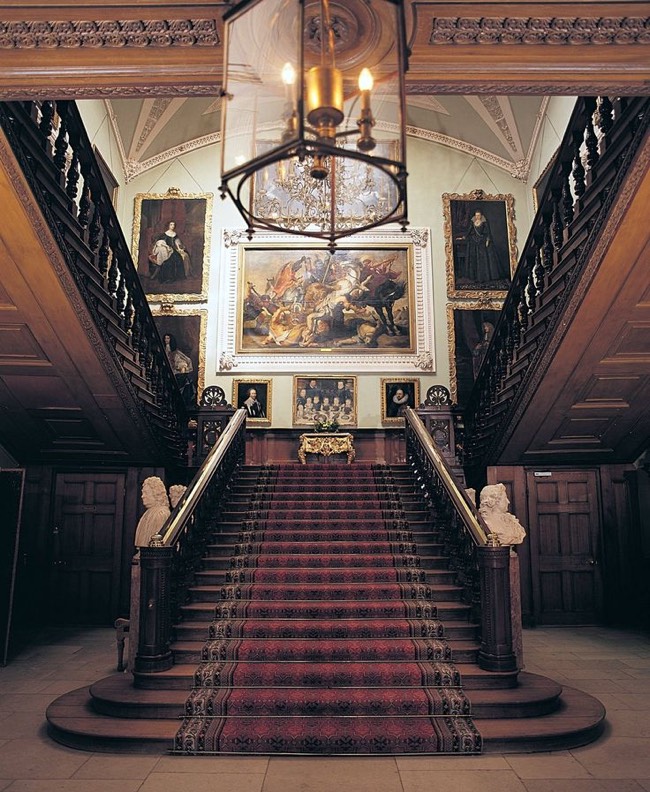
x,y
602,138
481,564
51,145
167,566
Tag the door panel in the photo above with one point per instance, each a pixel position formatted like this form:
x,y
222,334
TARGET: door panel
x,y
564,523
87,543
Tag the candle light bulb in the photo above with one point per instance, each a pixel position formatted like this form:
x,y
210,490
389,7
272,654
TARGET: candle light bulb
x,y
288,74
366,81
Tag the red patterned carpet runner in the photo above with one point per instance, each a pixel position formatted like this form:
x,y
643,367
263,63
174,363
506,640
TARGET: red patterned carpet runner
x,y
325,637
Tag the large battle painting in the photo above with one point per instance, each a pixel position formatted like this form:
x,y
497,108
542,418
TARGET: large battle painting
x,y
294,298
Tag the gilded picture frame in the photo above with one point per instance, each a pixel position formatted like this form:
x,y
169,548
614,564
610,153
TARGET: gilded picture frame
x,y
304,297
185,349
324,399
470,327
397,394
480,244
255,396
171,244
299,306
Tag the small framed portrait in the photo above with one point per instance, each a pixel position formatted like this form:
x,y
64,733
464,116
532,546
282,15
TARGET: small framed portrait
x,y
255,397
480,244
325,403
171,243
396,396
470,331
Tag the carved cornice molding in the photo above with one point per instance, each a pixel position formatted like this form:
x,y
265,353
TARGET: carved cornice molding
x,y
521,84
536,30
152,90
110,33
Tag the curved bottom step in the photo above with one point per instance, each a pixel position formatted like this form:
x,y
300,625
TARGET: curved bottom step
x,y
72,721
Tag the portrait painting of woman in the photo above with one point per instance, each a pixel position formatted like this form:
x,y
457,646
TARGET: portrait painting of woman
x,y
480,244
171,241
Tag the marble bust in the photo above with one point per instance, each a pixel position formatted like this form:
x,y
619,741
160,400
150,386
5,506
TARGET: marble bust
x,y
156,503
176,492
494,510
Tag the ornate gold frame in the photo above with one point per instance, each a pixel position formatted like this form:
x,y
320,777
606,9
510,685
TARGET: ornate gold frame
x,y
477,305
419,358
202,313
303,381
385,382
174,194
253,423
511,243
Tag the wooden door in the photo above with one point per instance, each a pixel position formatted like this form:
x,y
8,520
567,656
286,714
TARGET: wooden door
x,y
87,543
565,541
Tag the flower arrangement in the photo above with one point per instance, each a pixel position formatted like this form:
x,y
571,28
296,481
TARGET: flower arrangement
x,y
326,425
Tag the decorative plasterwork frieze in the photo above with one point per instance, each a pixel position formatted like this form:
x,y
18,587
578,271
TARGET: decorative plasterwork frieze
x,y
536,30
110,33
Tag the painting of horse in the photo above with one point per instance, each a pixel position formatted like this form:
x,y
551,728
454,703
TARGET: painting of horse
x,y
314,299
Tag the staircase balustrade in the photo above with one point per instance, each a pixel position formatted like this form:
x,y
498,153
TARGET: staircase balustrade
x,y
481,564
598,148
168,564
51,144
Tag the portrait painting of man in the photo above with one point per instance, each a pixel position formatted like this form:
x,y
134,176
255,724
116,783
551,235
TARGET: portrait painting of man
x,y
255,397
396,396
471,331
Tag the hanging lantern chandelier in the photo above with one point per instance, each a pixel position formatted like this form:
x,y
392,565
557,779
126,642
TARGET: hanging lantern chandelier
x,y
313,115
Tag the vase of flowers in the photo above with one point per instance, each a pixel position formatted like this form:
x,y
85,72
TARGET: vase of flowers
x,y
326,425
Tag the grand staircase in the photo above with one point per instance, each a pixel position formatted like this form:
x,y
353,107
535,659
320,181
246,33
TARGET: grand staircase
x,y
325,619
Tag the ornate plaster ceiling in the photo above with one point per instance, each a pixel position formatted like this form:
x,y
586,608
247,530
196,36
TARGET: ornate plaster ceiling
x,y
499,129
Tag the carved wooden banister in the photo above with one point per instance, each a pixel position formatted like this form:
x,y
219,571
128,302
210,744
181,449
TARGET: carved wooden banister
x,y
52,147
598,148
480,563
167,566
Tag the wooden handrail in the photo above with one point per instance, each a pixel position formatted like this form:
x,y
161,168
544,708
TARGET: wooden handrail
x,y
168,564
591,164
471,519
184,509
52,147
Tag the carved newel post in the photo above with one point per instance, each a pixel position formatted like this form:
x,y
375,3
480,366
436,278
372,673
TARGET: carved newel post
x,y
154,653
497,652
147,639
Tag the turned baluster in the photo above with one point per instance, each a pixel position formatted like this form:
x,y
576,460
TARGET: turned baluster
x,y
567,197
61,146
547,246
95,229
605,117
72,181
104,255
46,124
129,314
535,259
591,139
578,168
84,202
557,226
113,275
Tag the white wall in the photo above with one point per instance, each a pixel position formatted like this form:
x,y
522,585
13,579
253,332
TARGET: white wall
x,y
434,169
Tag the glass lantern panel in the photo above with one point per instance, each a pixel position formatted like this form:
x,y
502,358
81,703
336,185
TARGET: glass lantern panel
x,y
261,82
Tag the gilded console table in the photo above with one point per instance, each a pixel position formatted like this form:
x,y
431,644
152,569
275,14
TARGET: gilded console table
x,y
326,443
